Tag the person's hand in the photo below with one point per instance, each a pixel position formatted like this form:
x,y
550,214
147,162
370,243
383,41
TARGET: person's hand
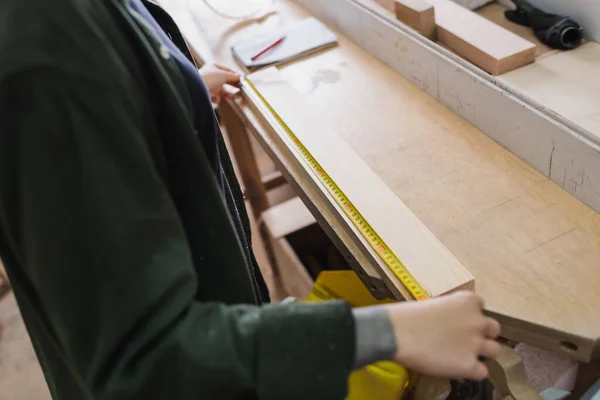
x,y
445,336
215,76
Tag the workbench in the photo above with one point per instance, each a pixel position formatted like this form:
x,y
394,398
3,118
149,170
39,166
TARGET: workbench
x,y
533,248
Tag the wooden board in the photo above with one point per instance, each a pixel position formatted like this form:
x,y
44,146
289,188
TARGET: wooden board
x,y
532,247
485,44
418,14
336,225
430,263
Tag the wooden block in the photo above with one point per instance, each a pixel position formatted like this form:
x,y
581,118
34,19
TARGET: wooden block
x,y
480,41
431,264
417,14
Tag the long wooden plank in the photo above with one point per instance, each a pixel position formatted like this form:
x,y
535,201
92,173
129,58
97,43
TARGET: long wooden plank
x,y
336,225
287,217
431,264
487,45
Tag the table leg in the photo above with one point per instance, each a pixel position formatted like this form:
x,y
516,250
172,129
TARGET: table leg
x,y
587,375
4,284
245,158
507,374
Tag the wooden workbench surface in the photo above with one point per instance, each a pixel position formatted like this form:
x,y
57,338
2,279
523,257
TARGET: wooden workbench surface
x,y
533,248
561,81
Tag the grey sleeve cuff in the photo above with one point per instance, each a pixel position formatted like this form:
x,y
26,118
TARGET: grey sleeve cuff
x,y
375,339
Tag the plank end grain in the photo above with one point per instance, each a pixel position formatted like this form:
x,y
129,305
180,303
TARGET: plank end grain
x,y
418,14
423,255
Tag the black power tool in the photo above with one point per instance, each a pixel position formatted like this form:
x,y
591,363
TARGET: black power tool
x,y
554,30
470,390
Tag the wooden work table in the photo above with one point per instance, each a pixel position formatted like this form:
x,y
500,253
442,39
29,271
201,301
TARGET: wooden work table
x,y
533,248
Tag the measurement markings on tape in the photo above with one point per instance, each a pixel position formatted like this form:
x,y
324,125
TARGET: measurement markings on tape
x,y
374,240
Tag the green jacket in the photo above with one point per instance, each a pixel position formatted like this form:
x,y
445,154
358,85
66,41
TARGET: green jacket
x,y
115,234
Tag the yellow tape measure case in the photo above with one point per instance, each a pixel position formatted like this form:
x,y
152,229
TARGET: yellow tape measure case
x,y
382,380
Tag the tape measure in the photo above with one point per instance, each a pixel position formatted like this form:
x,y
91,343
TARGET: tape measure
x,y
366,230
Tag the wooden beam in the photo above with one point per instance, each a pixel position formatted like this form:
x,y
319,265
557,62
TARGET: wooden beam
x,y
480,41
4,284
431,264
587,376
287,217
245,158
418,14
273,180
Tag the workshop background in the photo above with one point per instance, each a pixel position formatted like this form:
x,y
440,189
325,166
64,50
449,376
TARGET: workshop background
x,y
20,374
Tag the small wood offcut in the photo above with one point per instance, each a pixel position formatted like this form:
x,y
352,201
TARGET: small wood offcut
x,y
487,45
